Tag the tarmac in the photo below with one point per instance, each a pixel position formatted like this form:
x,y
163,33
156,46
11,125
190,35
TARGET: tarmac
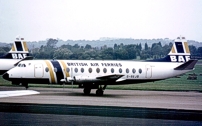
x,y
115,107
121,98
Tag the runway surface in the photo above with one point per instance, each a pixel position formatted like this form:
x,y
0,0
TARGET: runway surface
x,y
117,107
121,98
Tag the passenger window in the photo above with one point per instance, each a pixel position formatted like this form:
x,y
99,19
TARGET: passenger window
x,y
120,70
82,70
127,70
90,70
112,70
105,70
140,71
76,70
46,69
98,70
133,70
68,70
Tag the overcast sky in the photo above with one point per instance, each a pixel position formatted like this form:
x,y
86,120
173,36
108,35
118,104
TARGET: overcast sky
x,y
92,19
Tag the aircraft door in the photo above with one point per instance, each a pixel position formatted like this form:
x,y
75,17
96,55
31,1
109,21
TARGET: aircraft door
x,y
148,71
38,70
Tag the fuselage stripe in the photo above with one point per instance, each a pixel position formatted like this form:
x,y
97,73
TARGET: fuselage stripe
x,y
58,72
65,68
51,71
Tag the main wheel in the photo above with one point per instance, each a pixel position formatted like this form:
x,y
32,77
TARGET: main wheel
x,y
99,92
25,85
86,91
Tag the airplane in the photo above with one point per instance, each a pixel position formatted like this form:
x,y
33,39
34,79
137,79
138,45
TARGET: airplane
x,y
97,74
18,52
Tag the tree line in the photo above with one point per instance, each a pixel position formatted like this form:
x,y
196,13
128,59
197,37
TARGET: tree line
x,y
118,52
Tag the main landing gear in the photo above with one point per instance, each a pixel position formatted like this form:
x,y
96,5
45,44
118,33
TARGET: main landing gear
x,y
25,85
99,91
86,90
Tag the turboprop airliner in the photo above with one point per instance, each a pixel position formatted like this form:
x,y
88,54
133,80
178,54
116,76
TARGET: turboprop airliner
x,y
18,52
97,74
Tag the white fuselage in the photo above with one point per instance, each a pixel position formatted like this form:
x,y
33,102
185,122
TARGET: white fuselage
x,y
7,64
87,71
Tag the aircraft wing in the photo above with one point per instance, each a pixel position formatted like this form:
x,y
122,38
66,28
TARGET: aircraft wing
x,y
189,65
4,94
110,77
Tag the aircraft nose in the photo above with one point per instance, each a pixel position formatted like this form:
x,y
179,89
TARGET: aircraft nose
x,y
6,76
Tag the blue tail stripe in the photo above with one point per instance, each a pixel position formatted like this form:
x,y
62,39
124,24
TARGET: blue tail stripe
x,y
179,47
19,46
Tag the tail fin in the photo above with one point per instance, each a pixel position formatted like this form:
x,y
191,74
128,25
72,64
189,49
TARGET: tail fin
x,y
179,52
19,50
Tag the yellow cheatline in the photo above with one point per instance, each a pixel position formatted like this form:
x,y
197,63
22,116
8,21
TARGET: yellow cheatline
x,y
186,47
13,48
65,68
51,71
25,46
173,49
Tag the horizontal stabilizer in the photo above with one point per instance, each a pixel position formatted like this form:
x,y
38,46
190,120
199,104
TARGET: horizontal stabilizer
x,y
187,66
111,77
17,93
119,80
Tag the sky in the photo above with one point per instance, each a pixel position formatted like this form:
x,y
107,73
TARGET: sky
x,y
37,20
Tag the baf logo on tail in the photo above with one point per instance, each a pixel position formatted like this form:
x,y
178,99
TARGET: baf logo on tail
x,y
180,51
19,50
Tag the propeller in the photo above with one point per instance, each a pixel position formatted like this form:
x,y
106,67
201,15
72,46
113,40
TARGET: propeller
x,y
68,79
63,86
72,77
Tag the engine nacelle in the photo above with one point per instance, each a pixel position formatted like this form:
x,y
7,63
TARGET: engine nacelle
x,y
67,80
70,79
86,79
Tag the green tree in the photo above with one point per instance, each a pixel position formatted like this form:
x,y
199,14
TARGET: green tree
x,y
146,47
193,50
51,43
88,46
199,51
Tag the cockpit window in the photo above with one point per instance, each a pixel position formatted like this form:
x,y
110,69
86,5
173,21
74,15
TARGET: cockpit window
x,y
21,65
